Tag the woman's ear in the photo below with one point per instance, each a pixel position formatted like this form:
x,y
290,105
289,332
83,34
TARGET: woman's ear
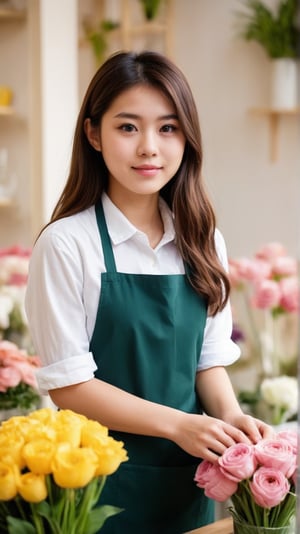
x,y
93,134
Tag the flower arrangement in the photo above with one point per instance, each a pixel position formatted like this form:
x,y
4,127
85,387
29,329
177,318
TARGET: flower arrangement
x,y
259,479
265,302
53,468
18,386
13,278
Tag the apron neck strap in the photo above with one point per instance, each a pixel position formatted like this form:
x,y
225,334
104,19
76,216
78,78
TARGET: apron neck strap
x,y
109,259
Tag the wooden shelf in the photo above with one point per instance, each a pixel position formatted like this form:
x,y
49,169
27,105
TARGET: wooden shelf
x,y
7,111
274,115
148,28
6,203
12,14
164,28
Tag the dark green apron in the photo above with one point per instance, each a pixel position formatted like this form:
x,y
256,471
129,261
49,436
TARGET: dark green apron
x,y
147,340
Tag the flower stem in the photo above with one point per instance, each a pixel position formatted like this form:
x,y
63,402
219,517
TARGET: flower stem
x,y
37,520
90,497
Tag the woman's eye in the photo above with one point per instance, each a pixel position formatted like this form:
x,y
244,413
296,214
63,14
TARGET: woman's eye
x,y
127,128
169,128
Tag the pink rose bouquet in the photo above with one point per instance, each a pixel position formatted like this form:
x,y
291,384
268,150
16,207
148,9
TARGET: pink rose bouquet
x,y
18,387
265,300
259,480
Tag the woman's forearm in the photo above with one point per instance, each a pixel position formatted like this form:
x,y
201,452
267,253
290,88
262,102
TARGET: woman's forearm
x,y
216,393
117,409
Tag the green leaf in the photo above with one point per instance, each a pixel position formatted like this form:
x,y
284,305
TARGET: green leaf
x,y
21,396
248,397
98,516
19,526
277,33
45,510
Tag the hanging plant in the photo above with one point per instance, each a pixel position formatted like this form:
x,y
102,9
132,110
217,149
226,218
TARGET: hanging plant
x,y
97,37
150,8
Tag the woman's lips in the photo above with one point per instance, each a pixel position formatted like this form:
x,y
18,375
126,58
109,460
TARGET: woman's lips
x,y
147,170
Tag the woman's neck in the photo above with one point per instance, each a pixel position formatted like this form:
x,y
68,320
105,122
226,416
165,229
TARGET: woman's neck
x,y
143,212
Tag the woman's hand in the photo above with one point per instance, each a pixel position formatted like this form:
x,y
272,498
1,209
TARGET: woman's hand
x,y
253,428
207,437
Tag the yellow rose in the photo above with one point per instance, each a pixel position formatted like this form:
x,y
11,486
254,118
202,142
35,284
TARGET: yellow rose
x,y
20,425
70,433
32,487
69,417
11,449
46,416
74,468
91,432
8,482
68,427
40,431
110,454
38,456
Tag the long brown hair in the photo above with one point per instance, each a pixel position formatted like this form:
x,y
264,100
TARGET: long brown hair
x,y
185,193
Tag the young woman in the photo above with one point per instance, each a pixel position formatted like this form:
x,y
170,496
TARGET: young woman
x,y
127,297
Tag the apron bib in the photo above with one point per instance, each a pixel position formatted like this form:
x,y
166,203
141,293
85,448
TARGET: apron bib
x,y
147,340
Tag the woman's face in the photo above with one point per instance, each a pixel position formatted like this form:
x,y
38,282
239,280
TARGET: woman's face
x,y
141,142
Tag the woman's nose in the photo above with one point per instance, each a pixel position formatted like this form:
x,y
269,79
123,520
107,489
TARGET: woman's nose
x,y
147,145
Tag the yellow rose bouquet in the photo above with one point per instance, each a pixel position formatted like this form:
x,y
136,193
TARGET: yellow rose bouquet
x,y
53,467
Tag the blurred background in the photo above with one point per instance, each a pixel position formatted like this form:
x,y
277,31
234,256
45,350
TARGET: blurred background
x,y
50,49
47,58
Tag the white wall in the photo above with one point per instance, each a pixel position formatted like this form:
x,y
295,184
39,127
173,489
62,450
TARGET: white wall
x,y
256,200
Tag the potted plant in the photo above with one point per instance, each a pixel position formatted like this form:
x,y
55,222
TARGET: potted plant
x,y
150,8
278,34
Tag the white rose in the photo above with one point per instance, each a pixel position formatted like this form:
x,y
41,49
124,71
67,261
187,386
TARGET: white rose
x,y
6,307
281,392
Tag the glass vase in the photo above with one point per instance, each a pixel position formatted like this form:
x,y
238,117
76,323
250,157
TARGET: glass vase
x,y
244,528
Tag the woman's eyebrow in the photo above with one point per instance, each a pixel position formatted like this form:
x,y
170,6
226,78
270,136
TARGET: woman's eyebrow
x,y
125,115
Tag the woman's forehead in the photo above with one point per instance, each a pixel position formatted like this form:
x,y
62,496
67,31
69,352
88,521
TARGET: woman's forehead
x,y
143,99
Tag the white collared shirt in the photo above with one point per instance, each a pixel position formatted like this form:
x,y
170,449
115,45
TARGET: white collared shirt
x,y
64,286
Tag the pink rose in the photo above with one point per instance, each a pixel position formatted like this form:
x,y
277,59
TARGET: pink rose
x,y
216,485
291,436
204,472
277,454
238,462
270,251
220,488
290,294
17,279
269,487
15,250
242,269
284,266
16,366
10,377
267,294
27,374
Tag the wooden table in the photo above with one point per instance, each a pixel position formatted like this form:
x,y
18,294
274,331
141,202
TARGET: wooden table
x,y
224,526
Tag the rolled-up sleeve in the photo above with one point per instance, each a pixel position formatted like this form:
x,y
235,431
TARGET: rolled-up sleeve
x,y
57,375
56,313
218,347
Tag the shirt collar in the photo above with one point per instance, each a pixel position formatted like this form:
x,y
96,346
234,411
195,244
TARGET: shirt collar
x,y
120,229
